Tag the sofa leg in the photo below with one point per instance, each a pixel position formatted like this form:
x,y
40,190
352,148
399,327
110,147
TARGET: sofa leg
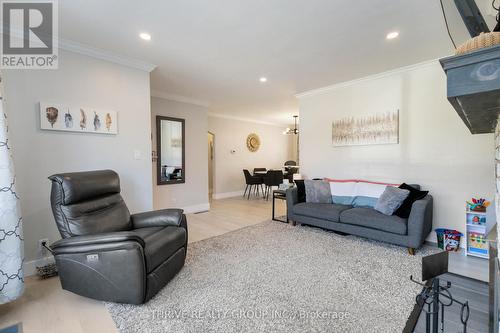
x,y
411,251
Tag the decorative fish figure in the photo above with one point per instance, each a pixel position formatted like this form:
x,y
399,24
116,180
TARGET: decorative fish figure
x,y
97,122
83,119
51,113
109,121
68,120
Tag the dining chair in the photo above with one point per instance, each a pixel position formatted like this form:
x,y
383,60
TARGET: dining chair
x,y
252,181
272,178
291,171
259,170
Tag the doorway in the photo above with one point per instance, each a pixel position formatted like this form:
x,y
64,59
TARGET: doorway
x,y
211,153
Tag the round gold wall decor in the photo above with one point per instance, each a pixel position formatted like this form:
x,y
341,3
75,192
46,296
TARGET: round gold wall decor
x,y
253,142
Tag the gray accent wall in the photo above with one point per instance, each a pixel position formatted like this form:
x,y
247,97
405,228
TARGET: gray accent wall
x,y
192,195
82,81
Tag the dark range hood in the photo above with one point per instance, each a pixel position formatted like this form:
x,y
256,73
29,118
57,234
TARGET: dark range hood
x,y
473,81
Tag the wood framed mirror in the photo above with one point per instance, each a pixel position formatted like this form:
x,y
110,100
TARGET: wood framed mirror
x,y
170,146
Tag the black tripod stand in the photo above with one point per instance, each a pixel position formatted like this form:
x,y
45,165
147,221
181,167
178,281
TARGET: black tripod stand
x,y
434,298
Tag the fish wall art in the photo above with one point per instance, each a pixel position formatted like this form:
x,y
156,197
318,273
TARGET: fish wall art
x,y
109,121
59,117
97,122
51,113
83,119
68,120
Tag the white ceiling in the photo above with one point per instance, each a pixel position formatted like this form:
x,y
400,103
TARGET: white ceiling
x,y
216,50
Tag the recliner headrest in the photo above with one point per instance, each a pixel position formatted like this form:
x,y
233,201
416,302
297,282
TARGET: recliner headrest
x,y
81,186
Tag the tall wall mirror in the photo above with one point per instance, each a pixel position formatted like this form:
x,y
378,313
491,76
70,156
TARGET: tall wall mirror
x,y
171,153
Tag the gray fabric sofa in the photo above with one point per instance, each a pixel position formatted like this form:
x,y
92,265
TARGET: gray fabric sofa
x,y
365,222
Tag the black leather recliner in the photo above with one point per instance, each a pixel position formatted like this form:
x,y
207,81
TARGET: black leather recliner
x,y
106,253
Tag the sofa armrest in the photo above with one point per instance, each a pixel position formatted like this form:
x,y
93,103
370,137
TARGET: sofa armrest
x,y
97,240
292,198
420,221
157,218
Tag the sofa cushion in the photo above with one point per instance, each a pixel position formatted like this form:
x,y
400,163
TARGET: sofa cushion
x,y
370,218
391,199
330,212
301,190
368,193
415,194
161,244
318,191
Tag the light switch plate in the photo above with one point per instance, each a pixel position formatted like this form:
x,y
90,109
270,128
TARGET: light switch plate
x,y
137,155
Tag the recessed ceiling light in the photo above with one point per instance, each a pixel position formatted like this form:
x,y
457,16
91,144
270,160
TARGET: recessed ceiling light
x,y
145,36
263,79
392,35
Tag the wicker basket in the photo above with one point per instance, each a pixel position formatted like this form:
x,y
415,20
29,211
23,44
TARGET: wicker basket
x,y
479,42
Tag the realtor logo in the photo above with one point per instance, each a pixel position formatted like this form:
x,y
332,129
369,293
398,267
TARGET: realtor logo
x,y
29,34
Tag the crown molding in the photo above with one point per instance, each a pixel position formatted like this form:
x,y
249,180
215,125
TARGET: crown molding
x,y
248,120
75,47
367,78
179,98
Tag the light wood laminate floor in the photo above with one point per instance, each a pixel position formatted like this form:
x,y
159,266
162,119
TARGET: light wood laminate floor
x,y
45,307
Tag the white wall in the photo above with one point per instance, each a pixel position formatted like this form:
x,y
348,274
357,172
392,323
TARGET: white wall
x,y
230,134
192,195
436,149
85,81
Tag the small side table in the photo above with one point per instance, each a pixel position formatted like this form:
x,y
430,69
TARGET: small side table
x,y
280,195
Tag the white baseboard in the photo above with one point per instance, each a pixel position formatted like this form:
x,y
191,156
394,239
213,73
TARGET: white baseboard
x,y
197,208
217,196
29,267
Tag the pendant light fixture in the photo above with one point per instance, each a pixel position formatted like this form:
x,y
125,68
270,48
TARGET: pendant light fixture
x,y
295,130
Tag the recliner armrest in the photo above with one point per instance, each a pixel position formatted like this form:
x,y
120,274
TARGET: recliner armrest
x,y
98,239
157,218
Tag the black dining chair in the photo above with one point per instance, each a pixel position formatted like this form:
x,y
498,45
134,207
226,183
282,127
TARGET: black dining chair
x,y
272,178
252,181
259,170
290,172
290,169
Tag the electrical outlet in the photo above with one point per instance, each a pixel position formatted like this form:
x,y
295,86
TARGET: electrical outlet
x,y
41,249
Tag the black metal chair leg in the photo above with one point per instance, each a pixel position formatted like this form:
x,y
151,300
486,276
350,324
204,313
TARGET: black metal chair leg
x,y
244,193
249,191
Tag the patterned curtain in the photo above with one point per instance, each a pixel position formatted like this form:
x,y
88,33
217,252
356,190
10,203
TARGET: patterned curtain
x,y
11,233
